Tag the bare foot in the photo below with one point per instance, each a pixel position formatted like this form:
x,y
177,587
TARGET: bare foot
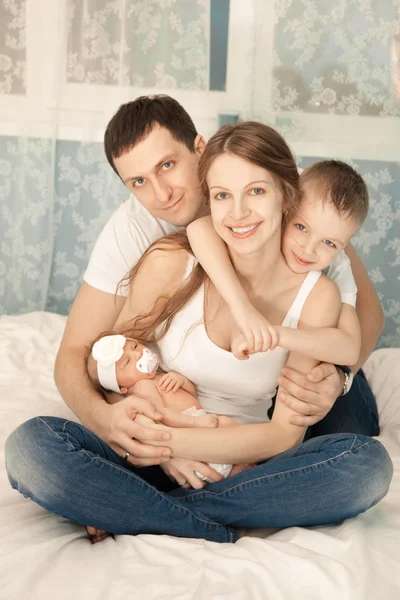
x,y
206,421
97,535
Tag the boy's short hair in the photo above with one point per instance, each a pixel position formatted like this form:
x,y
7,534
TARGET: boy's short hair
x,y
135,120
340,184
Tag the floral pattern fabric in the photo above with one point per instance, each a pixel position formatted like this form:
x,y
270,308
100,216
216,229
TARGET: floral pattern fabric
x,y
46,243
12,47
327,60
336,57
144,43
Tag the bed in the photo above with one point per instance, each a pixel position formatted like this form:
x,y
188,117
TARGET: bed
x,y
42,555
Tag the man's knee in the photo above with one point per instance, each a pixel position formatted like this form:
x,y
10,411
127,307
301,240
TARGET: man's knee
x,y
27,457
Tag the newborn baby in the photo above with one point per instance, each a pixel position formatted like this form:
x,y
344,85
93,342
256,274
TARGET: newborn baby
x,y
125,366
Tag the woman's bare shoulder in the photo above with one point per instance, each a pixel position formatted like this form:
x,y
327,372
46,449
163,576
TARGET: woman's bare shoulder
x,y
161,257
157,278
162,270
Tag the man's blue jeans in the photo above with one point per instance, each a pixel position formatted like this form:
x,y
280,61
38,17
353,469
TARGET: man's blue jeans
x,y
356,412
69,471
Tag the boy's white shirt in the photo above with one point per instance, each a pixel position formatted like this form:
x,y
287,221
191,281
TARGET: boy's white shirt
x,y
132,229
340,272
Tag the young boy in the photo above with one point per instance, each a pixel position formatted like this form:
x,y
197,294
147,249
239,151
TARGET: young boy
x,y
334,205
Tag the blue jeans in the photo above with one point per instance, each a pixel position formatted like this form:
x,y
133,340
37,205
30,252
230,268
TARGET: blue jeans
x,y
69,471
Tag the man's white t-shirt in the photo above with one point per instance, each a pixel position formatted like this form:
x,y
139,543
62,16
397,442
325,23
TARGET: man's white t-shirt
x,y
132,229
124,238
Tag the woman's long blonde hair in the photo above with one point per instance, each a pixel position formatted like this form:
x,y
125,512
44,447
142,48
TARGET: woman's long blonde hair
x,y
254,142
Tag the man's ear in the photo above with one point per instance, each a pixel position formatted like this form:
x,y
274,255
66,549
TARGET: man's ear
x,y
199,144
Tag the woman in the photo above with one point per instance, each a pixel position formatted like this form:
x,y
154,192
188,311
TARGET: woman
x,y
252,182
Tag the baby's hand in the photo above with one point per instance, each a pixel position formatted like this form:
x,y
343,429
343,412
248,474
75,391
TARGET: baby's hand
x,y
257,332
206,421
171,382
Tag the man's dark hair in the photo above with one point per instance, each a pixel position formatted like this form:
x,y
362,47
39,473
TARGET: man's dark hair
x,y
340,184
135,120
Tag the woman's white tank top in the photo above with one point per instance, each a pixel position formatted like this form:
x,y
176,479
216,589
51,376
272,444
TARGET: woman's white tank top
x,y
242,390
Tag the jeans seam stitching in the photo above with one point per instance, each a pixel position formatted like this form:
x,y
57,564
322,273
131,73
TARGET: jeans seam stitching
x,y
195,495
56,434
163,495
122,470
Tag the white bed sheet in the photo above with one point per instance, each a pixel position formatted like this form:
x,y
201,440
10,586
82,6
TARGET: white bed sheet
x,y
42,555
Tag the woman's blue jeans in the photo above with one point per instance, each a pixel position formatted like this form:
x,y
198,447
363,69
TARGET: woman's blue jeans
x,y
69,471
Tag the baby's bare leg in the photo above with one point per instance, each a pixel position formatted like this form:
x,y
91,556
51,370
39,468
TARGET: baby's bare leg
x,y
179,401
176,419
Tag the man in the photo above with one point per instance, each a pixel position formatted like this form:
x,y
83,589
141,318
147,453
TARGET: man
x,y
152,145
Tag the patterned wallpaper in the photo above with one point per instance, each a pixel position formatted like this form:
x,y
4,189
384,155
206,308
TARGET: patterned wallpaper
x,y
324,61
45,244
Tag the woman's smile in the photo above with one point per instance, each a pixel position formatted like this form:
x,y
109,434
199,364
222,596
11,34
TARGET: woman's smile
x,y
244,231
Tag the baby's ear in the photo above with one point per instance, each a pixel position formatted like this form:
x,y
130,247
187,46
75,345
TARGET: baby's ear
x,y
124,390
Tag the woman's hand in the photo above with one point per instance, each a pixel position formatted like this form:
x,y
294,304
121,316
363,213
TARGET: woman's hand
x,y
257,334
183,471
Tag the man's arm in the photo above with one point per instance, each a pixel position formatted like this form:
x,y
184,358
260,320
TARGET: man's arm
x,y
93,312
368,308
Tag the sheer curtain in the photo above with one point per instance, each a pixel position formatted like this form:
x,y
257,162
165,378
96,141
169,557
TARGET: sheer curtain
x,y
329,80
65,67
326,74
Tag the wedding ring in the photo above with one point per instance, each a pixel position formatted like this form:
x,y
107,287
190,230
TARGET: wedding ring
x,y
126,456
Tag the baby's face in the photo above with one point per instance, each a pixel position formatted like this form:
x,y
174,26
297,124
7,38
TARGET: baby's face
x,y
125,368
317,233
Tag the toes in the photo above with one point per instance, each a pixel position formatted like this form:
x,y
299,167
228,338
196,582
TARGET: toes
x,y
97,535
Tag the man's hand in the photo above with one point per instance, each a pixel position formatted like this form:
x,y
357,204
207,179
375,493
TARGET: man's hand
x,y
259,335
311,396
115,424
183,471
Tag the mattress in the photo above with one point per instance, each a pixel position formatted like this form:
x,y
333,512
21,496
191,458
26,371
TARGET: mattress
x,y
43,555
